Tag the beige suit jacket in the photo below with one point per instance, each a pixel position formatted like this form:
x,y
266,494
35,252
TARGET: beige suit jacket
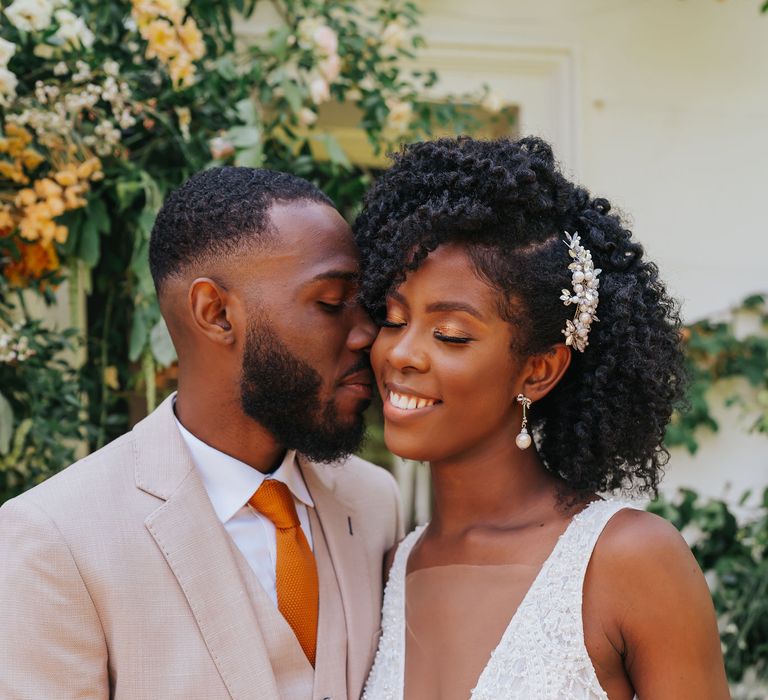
x,y
118,581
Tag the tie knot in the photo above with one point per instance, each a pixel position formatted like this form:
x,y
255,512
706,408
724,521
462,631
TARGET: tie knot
x,y
273,499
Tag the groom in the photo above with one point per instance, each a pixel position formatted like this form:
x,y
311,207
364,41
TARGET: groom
x,y
213,552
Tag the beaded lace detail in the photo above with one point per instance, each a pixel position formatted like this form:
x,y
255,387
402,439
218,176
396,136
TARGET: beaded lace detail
x,y
542,653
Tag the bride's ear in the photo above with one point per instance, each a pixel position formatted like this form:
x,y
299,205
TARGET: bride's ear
x,y
543,371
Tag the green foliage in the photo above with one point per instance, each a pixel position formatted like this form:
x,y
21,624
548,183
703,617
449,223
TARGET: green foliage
x,y
717,350
41,403
734,558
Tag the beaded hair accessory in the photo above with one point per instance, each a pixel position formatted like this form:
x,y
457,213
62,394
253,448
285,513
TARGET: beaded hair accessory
x,y
585,296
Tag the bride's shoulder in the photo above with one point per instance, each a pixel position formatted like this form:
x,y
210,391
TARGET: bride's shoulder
x,y
641,563
635,539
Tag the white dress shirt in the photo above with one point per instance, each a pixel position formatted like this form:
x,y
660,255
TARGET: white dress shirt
x,y
230,484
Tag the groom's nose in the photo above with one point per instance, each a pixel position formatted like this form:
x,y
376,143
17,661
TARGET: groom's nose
x,y
363,331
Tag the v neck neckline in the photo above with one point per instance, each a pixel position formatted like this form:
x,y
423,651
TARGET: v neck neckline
x,y
403,574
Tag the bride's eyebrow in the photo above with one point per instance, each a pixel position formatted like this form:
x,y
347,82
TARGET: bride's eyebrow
x,y
443,306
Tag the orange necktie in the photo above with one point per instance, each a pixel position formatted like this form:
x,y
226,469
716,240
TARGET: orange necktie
x,y
297,586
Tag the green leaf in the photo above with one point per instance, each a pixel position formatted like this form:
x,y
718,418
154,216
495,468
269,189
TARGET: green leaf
x,y
278,45
139,334
246,111
250,157
6,424
225,67
335,151
292,95
244,136
127,191
89,245
161,344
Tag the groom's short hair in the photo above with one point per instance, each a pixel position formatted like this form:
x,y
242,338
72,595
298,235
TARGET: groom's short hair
x,y
218,211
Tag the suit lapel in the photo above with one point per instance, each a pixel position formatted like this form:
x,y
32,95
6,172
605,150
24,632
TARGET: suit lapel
x,y
343,528
196,548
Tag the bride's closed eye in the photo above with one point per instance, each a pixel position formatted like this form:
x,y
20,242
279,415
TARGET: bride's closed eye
x,y
452,335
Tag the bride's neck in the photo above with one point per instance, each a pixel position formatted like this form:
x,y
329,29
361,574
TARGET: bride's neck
x,y
499,487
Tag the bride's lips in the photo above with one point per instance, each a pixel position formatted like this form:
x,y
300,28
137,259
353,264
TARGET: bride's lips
x,y
402,403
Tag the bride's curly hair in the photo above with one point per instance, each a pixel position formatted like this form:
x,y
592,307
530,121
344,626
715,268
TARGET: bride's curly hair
x,y
602,427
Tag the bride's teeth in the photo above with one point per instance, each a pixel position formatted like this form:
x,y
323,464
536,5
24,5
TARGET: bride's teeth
x,y
408,403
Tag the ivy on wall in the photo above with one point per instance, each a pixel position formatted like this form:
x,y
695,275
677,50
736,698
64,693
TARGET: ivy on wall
x,y
734,346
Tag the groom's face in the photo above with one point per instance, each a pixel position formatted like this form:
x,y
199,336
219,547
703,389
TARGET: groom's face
x,y
305,372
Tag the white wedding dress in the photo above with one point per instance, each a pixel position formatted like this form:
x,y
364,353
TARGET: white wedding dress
x,y
541,654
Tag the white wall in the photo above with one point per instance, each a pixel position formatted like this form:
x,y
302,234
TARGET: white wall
x,y
662,107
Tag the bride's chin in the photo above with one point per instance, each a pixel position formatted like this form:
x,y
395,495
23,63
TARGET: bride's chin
x,y
406,449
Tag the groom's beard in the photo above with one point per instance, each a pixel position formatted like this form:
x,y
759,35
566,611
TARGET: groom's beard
x,y
282,392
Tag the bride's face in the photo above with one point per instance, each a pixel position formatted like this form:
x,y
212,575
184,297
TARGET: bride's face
x,y
443,362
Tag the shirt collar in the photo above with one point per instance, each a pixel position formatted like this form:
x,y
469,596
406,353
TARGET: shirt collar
x,y
230,483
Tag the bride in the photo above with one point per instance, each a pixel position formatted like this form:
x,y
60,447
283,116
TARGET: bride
x,y
529,352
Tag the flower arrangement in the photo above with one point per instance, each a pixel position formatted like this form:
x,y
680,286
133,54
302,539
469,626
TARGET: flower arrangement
x,y
105,107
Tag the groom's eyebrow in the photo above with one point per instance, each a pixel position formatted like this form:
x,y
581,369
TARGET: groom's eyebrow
x,y
343,275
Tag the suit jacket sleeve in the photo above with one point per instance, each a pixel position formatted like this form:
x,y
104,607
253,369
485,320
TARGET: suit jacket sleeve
x,y
51,641
399,517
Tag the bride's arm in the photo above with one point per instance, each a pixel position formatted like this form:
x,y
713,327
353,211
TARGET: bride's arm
x,y
657,611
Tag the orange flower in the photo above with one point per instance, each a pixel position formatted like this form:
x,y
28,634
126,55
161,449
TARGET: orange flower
x,y
37,259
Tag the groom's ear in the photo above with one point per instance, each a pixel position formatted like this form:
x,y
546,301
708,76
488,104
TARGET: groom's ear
x,y
212,308
545,370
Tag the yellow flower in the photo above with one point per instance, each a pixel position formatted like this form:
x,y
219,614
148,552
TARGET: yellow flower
x,y
111,378
65,178
72,198
182,71
170,9
25,197
161,40
31,158
46,187
16,131
56,205
89,168
13,172
192,38
7,222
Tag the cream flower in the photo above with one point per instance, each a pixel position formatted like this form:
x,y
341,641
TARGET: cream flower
x,y
394,35
319,90
112,68
184,115
73,31
8,83
400,114
314,34
221,148
330,67
307,117
492,102
7,49
325,39
30,15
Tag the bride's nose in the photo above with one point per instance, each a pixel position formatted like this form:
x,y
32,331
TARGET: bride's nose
x,y
407,352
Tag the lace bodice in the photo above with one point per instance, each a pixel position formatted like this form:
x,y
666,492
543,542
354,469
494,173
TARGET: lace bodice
x,y
541,653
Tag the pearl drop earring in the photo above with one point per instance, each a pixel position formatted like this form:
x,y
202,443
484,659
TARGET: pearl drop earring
x,y
523,440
